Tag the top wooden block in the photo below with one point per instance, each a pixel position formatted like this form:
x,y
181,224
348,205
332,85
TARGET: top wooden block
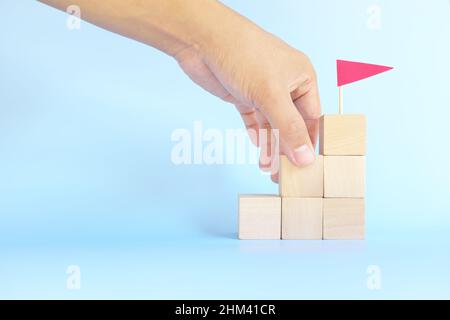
x,y
342,135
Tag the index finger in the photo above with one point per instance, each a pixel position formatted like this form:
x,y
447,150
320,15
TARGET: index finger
x,y
307,102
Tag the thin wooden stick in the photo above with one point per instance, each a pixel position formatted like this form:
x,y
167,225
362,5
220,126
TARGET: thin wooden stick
x,y
341,101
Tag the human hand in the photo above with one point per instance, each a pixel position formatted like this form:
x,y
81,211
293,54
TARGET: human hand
x,y
272,85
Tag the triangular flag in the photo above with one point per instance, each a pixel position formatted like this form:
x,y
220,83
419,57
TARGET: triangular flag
x,y
349,71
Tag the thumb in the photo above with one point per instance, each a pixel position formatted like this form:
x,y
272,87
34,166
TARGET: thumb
x,y
293,133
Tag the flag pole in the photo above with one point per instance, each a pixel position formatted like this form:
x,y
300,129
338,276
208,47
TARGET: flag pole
x,y
341,101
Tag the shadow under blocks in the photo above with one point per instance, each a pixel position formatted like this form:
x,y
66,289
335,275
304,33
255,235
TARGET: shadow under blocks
x,y
322,201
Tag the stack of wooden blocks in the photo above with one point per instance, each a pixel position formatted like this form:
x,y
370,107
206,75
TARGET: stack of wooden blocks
x,y
322,201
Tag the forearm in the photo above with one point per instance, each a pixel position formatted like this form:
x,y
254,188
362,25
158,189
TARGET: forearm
x,y
272,84
169,25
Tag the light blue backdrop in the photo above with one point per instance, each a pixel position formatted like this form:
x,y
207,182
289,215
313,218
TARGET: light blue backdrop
x,y
86,177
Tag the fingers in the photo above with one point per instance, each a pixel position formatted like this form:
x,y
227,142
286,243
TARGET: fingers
x,y
269,142
265,143
260,133
248,116
313,131
274,177
293,131
306,99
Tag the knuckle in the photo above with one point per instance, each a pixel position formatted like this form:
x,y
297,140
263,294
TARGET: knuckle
x,y
306,83
308,79
308,72
267,94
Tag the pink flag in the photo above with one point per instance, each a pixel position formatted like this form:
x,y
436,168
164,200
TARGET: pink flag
x,y
349,71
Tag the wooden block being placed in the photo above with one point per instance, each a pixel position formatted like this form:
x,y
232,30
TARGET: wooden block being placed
x,y
259,217
343,219
301,182
342,135
344,176
301,218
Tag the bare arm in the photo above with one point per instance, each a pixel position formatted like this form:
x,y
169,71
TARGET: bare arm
x,y
271,84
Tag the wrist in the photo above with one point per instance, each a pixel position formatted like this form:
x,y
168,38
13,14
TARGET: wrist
x,y
201,24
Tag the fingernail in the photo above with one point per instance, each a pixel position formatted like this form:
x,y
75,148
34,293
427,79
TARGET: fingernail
x,y
304,156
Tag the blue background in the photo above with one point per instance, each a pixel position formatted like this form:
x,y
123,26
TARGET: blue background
x,y
86,177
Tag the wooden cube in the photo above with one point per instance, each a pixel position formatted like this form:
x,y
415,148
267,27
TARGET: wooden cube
x,y
342,135
301,218
259,217
344,176
343,218
301,182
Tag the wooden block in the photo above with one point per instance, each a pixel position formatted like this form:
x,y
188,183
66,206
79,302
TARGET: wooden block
x,y
259,217
344,176
301,218
301,182
343,218
342,135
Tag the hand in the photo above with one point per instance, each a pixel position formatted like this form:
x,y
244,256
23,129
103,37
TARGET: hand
x,y
271,84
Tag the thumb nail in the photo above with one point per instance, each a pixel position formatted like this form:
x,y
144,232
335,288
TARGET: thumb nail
x,y
303,156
